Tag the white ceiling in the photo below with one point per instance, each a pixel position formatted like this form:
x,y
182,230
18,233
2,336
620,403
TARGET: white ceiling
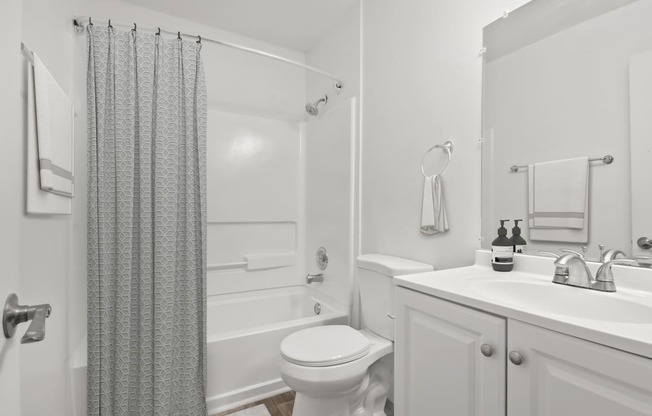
x,y
294,24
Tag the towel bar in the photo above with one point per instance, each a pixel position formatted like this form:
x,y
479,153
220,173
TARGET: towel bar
x,y
446,147
607,160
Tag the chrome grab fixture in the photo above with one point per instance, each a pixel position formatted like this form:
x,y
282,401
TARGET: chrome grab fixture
x,y
15,314
644,243
312,278
607,160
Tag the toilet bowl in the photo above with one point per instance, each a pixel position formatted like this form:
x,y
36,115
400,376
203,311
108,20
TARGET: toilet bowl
x,y
337,370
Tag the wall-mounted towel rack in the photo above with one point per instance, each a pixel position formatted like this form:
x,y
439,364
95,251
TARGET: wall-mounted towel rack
x,y
607,160
446,147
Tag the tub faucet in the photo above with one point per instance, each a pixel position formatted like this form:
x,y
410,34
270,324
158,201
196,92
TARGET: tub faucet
x,y
311,278
15,314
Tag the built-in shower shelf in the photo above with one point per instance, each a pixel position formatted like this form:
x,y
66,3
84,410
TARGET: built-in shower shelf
x,y
258,262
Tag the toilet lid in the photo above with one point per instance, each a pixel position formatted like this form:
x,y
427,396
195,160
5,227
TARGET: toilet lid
x,y
325,346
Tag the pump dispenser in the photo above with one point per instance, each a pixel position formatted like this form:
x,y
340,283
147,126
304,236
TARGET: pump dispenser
x,y
520,245
502,251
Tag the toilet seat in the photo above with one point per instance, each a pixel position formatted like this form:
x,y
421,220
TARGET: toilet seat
x,y
325,346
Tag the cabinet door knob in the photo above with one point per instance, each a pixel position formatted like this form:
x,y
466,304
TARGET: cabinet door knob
x,y
515,357
486,350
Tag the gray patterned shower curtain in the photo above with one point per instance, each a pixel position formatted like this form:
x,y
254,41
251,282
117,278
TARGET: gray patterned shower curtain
x,y
146,225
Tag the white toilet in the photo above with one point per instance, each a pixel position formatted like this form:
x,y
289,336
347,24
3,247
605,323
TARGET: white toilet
x,y
336,370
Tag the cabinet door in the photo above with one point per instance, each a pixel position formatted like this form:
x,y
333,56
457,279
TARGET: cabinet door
x,y
440,369
563,375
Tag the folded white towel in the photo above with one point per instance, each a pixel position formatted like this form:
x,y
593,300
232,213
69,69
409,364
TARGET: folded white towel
x,y
433,210
558,192
54,120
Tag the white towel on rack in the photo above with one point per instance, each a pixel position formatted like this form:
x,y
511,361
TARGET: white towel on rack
x,y
433,209
557,193
558,201
54,120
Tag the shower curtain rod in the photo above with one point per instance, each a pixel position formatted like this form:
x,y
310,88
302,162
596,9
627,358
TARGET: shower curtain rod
x,y
83,22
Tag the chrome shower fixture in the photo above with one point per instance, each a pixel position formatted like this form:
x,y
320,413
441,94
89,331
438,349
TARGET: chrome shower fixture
x,y
313,109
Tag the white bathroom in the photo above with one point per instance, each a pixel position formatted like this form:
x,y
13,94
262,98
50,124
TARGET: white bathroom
x,y
342,208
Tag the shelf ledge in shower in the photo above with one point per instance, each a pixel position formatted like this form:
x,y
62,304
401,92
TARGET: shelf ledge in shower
x,y
258,262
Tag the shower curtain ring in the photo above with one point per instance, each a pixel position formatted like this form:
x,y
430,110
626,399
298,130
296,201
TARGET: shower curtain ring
x,y
135,27
110,26
159,32
90,22
179,35
198,40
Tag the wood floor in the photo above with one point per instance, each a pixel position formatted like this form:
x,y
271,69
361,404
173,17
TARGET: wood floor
x,y
280,405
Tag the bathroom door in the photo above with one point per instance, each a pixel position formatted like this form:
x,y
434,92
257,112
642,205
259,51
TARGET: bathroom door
x,y
11,152
640,86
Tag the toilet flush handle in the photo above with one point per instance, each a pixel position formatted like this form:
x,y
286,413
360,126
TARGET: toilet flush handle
x,y
390,316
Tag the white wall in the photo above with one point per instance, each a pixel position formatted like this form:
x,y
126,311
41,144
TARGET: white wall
x,y
422,75
46,240
253,170
330,149
11,209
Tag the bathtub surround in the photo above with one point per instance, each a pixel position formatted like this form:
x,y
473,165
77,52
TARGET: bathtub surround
x,y
146,224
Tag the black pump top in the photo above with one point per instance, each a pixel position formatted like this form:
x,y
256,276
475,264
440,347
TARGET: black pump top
x,y
502,231
516,230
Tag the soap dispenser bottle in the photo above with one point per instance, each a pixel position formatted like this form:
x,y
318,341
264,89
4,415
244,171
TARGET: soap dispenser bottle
x,y
519,243
502,251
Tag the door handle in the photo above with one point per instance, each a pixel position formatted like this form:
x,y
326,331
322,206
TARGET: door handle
x,y
15,314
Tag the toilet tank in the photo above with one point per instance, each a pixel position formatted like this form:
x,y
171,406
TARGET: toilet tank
x,y
376,273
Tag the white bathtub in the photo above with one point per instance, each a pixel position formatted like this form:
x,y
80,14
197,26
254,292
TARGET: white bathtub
x,y
245,331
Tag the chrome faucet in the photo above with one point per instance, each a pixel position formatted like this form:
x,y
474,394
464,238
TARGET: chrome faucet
x,y
571,269
567,268
611,254
312,278
15,314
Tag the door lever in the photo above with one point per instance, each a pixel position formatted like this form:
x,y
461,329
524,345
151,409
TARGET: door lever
x,y
15,314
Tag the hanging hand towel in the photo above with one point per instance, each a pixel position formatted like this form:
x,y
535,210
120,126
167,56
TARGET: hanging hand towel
x,y
54,120
558,192
433,211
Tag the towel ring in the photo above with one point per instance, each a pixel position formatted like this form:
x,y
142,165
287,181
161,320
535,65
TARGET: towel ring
x,y
446,147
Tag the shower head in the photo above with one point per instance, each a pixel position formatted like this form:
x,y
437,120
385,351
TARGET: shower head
x,y
313,109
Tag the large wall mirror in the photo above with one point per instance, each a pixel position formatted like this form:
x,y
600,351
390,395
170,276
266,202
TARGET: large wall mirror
x,y
565,79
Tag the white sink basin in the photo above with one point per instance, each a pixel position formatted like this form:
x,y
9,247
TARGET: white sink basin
x,y
537,295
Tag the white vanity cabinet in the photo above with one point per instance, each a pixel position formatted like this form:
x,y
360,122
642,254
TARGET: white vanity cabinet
x,y
440,366
441,369
564,375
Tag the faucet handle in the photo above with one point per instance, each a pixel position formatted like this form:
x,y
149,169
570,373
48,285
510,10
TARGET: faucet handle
x,y
36,330
566,250
550,253
604,278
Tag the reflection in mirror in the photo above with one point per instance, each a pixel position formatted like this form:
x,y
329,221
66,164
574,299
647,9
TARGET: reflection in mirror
x,y
557,86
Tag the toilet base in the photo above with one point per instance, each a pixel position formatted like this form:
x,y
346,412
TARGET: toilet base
x,y
367,400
